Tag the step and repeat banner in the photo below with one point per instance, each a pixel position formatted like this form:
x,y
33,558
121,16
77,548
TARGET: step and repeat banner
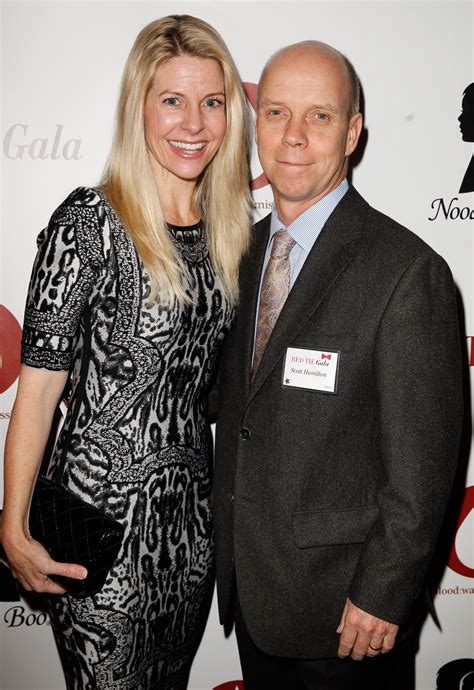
x,y
61,67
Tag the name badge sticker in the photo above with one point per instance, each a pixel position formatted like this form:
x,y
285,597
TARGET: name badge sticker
x,y
315,370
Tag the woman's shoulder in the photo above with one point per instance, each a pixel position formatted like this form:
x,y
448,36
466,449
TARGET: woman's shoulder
x,y
87,202
84,219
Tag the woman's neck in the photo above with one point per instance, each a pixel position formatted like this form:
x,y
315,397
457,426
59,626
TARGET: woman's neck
x,y
177,198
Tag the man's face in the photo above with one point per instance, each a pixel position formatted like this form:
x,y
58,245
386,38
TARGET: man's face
x,y
304,130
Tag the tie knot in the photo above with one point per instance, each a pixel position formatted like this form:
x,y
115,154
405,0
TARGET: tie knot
x,y
282,245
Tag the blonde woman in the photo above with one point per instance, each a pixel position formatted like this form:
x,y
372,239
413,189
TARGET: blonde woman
x,y
131,294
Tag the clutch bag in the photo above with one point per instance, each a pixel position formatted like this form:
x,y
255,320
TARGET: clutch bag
x,y
73,531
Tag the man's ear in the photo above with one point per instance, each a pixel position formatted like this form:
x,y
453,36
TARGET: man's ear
x,y
353,134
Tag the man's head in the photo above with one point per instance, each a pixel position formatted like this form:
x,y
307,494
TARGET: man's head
x,y
307,123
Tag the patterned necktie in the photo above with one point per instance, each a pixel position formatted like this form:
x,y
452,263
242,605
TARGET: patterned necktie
x,y
274,291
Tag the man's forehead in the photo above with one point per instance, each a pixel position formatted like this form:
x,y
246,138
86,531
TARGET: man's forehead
x,y
303,64
320,54
312,79
275,100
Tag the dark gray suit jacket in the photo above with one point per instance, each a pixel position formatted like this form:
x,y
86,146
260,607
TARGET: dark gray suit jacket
x,y
320,497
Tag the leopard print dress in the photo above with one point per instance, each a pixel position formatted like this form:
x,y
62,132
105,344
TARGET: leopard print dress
x,y
136,440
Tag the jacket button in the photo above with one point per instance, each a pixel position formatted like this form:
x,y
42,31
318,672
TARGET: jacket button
x,y
245,433
230,497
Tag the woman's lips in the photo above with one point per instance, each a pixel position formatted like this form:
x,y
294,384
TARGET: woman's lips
x,y
187,149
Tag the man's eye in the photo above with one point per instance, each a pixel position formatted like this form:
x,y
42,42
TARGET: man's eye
x,y
322,117
274,112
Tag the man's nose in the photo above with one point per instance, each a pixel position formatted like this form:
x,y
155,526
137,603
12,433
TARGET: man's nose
x,y
295,134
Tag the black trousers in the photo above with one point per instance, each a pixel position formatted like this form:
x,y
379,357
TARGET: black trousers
x,y
392,671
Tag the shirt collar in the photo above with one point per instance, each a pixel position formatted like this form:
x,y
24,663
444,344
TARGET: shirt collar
x,y
306,228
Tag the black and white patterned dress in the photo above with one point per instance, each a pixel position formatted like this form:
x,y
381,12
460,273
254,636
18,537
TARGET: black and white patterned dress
x,y
138,443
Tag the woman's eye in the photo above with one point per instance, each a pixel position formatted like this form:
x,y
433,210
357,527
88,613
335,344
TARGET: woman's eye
x,y
213,102
274,112
171,100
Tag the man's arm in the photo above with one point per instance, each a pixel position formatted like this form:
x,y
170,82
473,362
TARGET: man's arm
x,y
417,370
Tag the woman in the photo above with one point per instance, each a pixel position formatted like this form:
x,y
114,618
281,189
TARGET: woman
x,y
466,125
131,295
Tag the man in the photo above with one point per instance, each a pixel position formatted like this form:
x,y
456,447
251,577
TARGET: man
x,y
340,408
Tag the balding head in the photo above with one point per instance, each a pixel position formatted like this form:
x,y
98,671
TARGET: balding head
x,y
306,127
325,51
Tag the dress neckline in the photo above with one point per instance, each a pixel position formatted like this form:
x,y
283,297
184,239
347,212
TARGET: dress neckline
x,y
189,234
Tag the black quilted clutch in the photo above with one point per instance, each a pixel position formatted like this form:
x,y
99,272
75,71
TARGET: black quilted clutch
x,y
72,531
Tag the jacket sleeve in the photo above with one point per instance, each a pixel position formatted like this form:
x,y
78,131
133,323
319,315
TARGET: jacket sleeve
x,y
418,378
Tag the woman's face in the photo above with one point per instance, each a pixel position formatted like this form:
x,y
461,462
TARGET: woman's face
x,y
185,117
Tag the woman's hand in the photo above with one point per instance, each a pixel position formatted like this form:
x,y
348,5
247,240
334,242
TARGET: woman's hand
x,y
32,566
38,394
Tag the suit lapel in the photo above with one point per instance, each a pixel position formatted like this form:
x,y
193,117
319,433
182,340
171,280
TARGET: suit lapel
x,y
249,286
332,252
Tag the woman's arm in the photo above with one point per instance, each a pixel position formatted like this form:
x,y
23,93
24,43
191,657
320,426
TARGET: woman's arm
x,y
38,394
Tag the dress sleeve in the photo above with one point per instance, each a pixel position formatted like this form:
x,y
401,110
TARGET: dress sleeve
x,y
66,268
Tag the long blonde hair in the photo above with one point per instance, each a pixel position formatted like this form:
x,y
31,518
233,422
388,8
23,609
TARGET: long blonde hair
x,y
222,193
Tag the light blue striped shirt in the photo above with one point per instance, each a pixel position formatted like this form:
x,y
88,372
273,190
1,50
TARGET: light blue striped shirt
x,y
305,229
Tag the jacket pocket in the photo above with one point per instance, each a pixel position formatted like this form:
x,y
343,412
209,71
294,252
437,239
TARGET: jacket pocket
x,y
333,527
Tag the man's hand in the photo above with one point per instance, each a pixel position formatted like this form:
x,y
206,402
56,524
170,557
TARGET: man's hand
x,y
363,634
